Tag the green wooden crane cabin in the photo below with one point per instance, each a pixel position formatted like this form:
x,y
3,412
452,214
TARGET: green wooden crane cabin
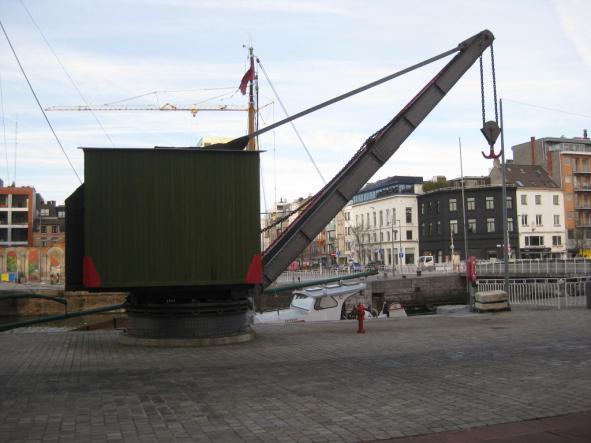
x,y
178,228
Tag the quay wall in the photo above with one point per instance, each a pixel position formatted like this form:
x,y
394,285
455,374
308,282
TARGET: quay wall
x,y
77,301
413,292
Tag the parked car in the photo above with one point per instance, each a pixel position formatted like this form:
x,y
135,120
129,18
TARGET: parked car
x,y
374,266
355,267
426,263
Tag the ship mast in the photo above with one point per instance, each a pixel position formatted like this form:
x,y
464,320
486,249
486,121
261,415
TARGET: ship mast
x,y
251,110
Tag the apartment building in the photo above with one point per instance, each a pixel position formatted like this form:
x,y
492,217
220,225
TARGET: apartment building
x,y
17,215
540,210
281,215
51,227
441,219
381,222
568,162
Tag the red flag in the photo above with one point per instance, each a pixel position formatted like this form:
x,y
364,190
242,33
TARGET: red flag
x,y
246,78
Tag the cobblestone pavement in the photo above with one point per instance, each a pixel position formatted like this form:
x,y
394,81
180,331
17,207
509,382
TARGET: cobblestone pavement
x,y
302,382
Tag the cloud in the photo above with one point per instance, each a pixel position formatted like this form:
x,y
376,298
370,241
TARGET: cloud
x,y
575,16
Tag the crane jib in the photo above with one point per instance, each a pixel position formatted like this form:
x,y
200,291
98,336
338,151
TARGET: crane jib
x,y
377,149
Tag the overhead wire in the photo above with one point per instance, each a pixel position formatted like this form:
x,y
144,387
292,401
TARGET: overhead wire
x,y
66,71
38,102
4,130
547,108
291,122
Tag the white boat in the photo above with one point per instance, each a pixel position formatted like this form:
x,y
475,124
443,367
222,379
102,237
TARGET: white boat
x,y
318,303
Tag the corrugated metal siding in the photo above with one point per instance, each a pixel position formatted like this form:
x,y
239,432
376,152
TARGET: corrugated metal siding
x,y
171,217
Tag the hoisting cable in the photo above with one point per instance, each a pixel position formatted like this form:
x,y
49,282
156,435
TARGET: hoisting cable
x,y
287,215
66,72
490,129
291,122
39,103
240,142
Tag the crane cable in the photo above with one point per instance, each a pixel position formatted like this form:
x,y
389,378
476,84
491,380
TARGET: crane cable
x,y
291,122
39,103
66,71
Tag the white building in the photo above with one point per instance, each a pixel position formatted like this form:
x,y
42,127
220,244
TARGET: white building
x,y
381,223
540,211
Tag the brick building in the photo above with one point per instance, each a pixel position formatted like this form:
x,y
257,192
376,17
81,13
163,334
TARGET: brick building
x,y
568,161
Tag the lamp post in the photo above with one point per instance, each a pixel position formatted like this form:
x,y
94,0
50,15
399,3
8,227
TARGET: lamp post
x,y
399,256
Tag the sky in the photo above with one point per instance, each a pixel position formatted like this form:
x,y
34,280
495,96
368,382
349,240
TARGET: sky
x,y
193,52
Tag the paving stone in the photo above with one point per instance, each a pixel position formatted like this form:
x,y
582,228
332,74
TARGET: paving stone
x,y
308,382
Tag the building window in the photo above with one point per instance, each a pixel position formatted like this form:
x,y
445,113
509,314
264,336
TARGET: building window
x,y
43,229
430,229
524,220
509,202
381,236
570,234
387,217
347,216
423,229
510,225
490,225
556,220
538,220
409,234
472,225
453,226
524,200
54,229
490,202
44,212
556,240
374,219
438,227
367,219
534,240
375,238
381,218
388,235
422,208
61,214
471,203
538,199
556,200
453,205
408,215
43,242
437,208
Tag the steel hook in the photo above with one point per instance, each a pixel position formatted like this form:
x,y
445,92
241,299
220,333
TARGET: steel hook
x,y
491,154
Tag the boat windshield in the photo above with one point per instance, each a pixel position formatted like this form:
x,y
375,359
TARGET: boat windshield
x,y
302,301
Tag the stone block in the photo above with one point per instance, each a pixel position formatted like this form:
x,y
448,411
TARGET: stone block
x,y
491,296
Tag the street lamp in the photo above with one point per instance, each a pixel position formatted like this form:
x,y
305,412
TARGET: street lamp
x,y
400,242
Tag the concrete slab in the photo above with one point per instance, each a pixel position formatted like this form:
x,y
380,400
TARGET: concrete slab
x,y
302,382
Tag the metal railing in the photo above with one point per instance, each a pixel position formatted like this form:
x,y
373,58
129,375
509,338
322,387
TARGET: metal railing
x,y
575,266
298,276
552,292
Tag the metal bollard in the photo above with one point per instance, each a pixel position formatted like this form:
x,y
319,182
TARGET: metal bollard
x,y
360,317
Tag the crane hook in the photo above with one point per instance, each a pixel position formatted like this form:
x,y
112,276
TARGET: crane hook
x,y
491,132
491,154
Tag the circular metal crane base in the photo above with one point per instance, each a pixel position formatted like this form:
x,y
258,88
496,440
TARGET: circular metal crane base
x,y
204,318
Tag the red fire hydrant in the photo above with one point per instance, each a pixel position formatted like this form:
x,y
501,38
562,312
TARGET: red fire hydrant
x,y
360,317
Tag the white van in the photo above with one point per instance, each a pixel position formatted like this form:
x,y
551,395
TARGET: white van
x,y
426,263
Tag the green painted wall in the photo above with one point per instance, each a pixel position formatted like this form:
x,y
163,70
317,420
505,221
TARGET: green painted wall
x,y
171,217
